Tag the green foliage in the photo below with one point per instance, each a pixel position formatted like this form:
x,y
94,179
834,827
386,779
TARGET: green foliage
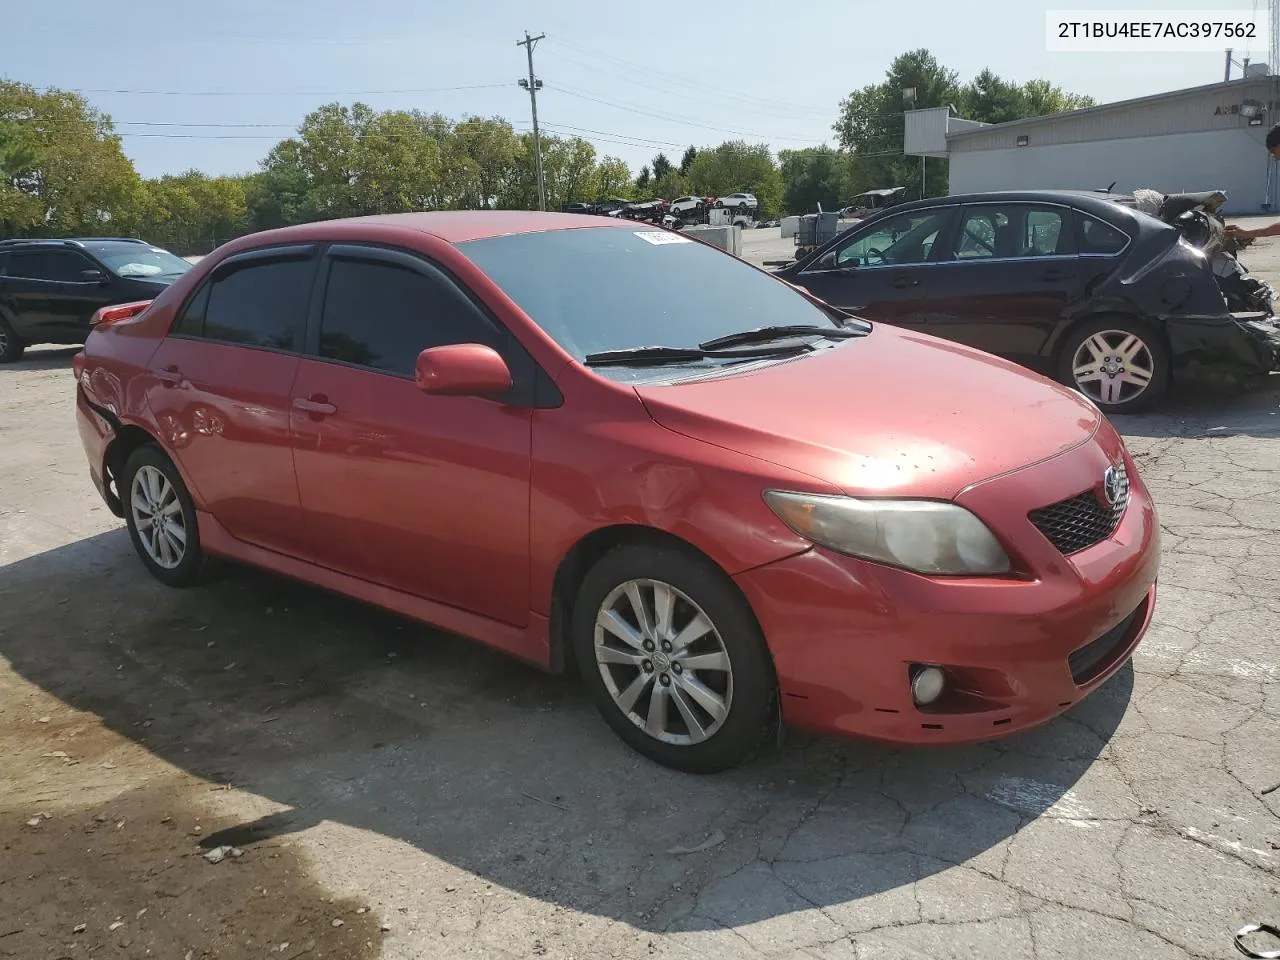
x,y
816,175
686,161
192,212
61,167
737,166
871,120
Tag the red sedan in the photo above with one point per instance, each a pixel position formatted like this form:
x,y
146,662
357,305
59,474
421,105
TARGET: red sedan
x,y
587,442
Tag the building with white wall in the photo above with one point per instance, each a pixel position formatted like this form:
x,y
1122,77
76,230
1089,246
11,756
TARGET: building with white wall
x,y
1203,138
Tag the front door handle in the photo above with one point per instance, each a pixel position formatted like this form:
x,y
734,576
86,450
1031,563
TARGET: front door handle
x,y
170,375
316,404
902,283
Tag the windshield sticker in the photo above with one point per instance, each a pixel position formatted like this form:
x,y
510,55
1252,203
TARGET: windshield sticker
x,y
658,237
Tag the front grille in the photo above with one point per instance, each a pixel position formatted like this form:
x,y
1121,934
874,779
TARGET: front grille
x,y
1087,662
1081,521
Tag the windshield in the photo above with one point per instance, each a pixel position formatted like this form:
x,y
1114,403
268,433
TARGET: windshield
x,y
138,260
598,289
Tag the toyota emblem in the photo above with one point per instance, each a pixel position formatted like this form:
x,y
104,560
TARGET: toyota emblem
x,y
1113,485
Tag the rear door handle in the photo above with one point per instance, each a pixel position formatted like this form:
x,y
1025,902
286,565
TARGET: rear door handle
x,y
168,375
902,283
314,405
1050,275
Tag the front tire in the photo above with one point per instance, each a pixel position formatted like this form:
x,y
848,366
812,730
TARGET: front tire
x,y
161,518
11,348
1119,363
674,658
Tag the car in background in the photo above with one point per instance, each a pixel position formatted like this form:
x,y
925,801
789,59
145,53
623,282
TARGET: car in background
x,y
741,202
685,206
1107,300
49,289
721,507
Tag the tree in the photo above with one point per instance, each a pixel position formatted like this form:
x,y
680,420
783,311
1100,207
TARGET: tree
x,y
661,166
642,181
64,171
686,161
736,166
613,179
192,212
871,122
815,175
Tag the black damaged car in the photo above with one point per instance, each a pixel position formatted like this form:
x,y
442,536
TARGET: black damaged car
x,y
1108,300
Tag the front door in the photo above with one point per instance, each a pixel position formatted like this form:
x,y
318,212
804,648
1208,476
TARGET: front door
x,y
426,494
1007,279
884,271
221,394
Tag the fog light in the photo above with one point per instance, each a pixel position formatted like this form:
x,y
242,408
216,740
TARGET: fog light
x,y
927,685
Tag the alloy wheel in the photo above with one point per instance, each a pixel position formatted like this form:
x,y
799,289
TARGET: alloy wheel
x,y
158,517
663,662
1113,367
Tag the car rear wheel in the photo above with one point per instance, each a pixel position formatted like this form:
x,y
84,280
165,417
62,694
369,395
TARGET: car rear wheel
x,y
11,348
1121,364
674,658
161,518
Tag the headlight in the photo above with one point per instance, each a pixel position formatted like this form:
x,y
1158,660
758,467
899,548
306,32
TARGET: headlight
x,y
927,537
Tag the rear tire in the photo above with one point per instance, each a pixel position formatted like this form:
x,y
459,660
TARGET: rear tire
x,y
11,348
161,517
688,683
1119,363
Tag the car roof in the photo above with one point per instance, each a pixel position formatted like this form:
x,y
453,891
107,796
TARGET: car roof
x,y
1084,199
458,226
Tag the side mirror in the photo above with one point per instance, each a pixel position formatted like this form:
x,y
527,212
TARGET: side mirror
x,y
462,369
92,276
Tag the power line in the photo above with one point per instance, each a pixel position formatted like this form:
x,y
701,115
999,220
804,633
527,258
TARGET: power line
x,y
649,70
276,93
736,102
674,119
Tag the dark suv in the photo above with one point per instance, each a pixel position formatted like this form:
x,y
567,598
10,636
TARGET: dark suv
x,y
49,289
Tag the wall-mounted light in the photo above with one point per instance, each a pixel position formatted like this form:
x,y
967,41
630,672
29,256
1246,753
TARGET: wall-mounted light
x,y
1023,140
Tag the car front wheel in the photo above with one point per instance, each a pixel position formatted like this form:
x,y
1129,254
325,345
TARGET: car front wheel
x,y
1121,364
11,348
674,658
161,518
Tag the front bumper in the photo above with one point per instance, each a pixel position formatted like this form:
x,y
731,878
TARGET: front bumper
x,y
844,633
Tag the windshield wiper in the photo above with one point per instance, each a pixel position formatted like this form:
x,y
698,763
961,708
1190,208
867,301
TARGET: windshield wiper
x,y
765,334
653,356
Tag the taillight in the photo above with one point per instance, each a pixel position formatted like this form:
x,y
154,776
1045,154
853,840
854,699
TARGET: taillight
x,y
120,311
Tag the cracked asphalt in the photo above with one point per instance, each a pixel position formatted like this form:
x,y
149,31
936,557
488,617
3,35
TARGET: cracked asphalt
x,y
443,801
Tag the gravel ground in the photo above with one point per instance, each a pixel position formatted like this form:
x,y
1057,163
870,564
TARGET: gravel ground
x,y
375,788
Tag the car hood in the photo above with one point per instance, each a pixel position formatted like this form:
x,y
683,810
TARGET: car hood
x,y
893,414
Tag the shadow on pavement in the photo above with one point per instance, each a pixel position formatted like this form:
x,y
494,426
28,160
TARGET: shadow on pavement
x,y
1202,414
347,714
51,358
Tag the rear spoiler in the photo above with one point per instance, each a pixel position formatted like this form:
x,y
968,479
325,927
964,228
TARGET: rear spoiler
x,y
119,311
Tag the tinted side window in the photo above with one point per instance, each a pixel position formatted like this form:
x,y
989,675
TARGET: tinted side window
x,y
1096,237
28,266
191,323
259,304
380,315
1012,231
65,266
906,238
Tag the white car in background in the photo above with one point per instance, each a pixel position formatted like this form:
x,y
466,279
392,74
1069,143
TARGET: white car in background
x,y
682,206
742,202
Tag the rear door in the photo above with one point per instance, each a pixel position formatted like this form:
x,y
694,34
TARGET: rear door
x,y
1007,278
75,288
220,392
426,494
885,270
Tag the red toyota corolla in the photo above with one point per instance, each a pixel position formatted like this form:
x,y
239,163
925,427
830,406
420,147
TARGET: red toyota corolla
x,y
581,440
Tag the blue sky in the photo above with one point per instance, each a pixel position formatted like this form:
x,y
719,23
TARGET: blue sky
x,y
628,77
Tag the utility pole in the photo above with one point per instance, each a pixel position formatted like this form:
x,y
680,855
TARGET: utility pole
x,y
1225,76
533,85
